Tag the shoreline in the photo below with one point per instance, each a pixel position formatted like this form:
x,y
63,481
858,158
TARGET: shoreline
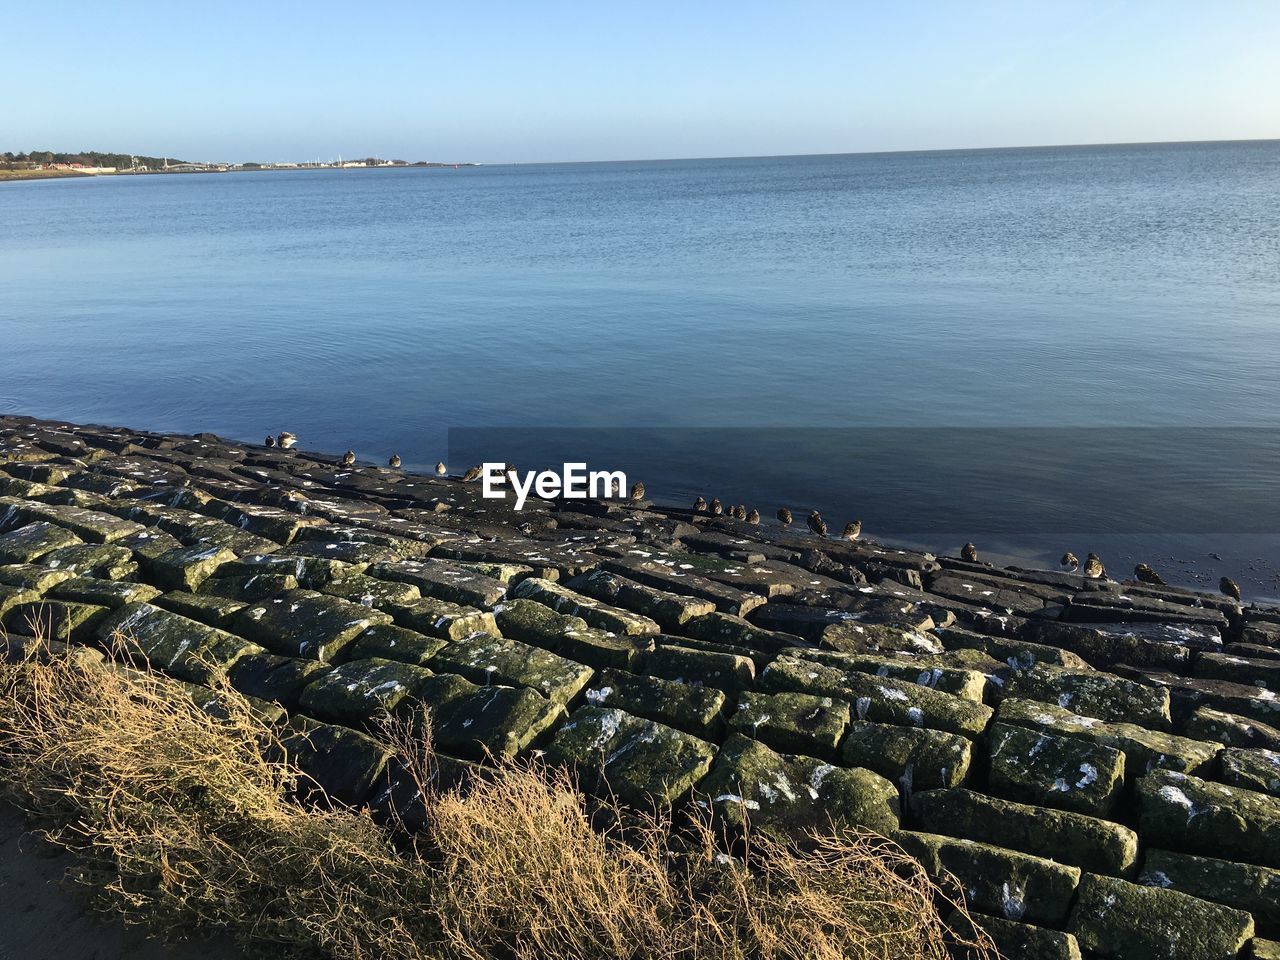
x,y
1025,730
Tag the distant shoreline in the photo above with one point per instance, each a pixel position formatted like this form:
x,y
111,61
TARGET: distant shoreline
x,y
42,174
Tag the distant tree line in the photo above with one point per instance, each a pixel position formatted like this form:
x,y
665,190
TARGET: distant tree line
x,y
88,158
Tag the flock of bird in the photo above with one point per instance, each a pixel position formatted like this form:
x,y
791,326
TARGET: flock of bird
x,y
1094,568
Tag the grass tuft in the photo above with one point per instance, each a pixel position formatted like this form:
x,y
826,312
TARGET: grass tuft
x,y
189,823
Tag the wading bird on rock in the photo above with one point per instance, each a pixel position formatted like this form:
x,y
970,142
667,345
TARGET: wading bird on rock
x,y
1070,561
1093,568
286,440
852,530
441,469
817,524
717,507
1229,587
1145,574
784,516
969,552
349,458
700,505
394,462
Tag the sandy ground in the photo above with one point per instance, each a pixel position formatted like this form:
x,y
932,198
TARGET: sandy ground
x,y
39,918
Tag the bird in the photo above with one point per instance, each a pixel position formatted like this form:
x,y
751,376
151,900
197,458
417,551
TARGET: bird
x,y
740,511
784,516
753,515
969,552
270,441
615,487
394,462
1145,574
817,524
1093,568
1070,561
1229,587
472,474
717,507
286,440
349,458
700,505
441,469
637,490
852,530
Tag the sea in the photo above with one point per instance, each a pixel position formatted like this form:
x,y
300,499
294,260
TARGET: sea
x,y
1034,349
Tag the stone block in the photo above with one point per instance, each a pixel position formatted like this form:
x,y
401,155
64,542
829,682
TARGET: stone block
x,y
1048,770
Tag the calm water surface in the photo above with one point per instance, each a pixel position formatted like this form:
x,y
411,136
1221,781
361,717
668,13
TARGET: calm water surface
x,y
1068,287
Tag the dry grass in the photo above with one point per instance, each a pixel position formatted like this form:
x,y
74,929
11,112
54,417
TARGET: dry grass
x,y
185,822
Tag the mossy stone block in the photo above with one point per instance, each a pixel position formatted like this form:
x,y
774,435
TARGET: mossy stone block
x,y
1071,838
1196,816
878,699
303,623
360,691
1244,886
33,541
752,784
793,722
440,618
915,758
1125,921
637,761
595,613
389,642
485,659
269,676
689,707
996,881
1044,769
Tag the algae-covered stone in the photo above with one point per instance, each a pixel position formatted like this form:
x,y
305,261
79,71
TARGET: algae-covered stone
x,y
1231,730
187,567
1145,750
878,699
1012,940
351,553
303,623
269,676
734,631
485,722
749,783
101,560
793,722
1052,771
184,648
674,661
1019,654
218,704
440,618
1093,694
1226,666
149,543
1252,769
1260,949
339,763
29,576
12,597
215,611
250,589
996,881
957,681
569,636
105,593
637,761
361,690
310,572
670,610
692,708
593,612
1241,885
1071,838
1196,816
371,592
444,581
34,541
61,620
914,758
483,658
1125,921
389,642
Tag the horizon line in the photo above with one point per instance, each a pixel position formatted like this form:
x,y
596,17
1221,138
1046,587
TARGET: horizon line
x,y
754,156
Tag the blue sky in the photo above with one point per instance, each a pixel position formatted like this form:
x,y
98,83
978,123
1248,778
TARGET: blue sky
x,y
531,81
